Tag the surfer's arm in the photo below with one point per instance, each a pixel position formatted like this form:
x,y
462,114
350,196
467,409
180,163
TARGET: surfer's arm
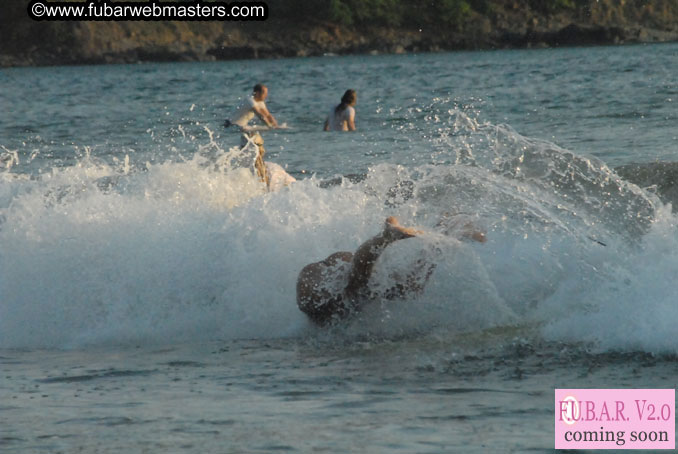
x,y
326,127
351,121
266,117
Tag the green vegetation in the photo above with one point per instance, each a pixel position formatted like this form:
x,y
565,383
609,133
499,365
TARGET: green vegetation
x,y
406,13
17,29
555,6
393,13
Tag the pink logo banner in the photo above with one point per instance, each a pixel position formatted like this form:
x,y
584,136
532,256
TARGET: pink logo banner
x,y
615,419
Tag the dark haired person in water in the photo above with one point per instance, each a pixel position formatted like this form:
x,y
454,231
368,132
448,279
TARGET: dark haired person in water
x,y
342,117
334,288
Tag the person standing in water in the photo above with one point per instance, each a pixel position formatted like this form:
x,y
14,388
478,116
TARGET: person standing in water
x,y
342,117
335,288
253,105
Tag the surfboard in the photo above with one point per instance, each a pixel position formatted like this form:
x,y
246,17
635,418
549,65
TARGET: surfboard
x,y
259,128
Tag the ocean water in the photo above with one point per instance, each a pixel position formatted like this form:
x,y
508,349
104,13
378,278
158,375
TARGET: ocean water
x,y
147,285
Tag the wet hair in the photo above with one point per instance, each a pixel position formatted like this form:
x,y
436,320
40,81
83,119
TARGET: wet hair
x,y
258,88
348,98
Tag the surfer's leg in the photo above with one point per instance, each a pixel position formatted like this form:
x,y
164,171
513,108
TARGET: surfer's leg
x,y
367,254
316,297
259,164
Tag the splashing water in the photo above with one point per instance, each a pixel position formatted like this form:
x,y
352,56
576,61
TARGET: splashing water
x,y
195,249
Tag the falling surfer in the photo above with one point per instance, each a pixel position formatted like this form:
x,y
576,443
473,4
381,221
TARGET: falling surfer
x,y
338,286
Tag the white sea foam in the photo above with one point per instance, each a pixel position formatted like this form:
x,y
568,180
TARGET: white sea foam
x,y
630,303
196,250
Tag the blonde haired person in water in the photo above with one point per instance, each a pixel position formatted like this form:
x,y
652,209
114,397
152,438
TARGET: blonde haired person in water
x,y
342,117
253,105
273,175
334,288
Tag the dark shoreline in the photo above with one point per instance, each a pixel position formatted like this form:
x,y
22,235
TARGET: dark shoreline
x,y
253,51
372,53
509,25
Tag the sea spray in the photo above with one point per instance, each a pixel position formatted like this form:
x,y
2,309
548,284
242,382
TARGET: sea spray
x,y
194,249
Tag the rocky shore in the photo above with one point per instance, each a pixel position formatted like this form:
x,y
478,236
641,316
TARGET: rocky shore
x,y
504,24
